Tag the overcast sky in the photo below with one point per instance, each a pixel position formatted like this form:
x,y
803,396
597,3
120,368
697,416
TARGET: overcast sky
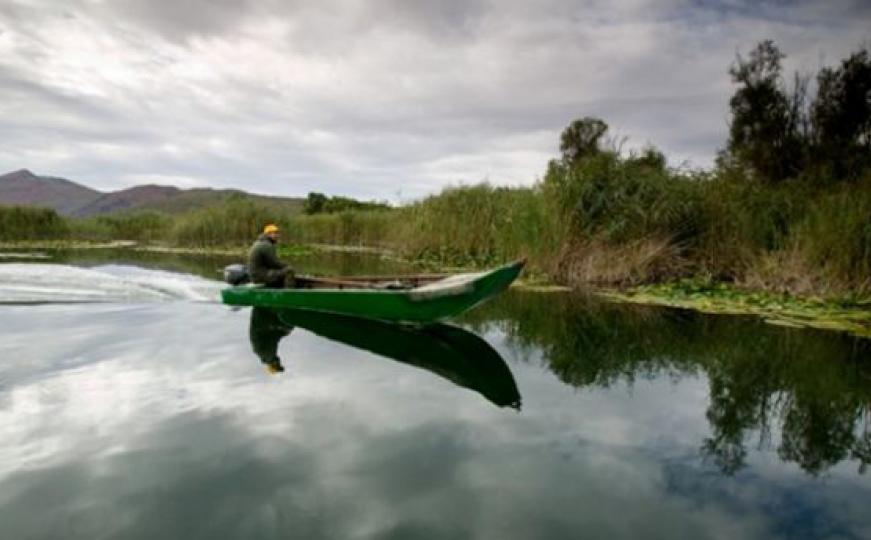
x,y
387,99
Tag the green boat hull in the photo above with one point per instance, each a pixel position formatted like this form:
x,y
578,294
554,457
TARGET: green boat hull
x,y
422,305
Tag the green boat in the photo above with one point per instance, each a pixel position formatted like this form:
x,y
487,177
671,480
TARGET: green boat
x,y
419,299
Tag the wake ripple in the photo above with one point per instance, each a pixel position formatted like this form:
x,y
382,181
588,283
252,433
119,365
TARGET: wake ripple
x,y
27,283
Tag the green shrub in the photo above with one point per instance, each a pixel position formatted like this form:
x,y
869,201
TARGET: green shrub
x,y
836,235
480,225
743,219
621,199
238,220
371,228
142,226
26,223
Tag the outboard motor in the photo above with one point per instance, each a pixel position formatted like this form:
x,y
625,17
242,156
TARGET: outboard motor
x,y
236,274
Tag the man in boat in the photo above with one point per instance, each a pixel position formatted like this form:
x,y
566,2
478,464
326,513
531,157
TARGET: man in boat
x,y
263,263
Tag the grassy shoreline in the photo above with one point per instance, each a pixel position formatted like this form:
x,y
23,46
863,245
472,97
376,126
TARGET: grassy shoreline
x,y
850,315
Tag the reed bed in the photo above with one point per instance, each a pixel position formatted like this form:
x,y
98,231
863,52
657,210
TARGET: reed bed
x,y
609,220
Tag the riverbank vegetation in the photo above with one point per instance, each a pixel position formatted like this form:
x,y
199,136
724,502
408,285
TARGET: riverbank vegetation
x,y
786,209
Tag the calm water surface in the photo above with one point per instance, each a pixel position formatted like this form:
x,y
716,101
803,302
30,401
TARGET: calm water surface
x,y
543,416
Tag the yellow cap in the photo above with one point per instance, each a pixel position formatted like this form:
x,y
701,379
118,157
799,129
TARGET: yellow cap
x,y
275,366
269,229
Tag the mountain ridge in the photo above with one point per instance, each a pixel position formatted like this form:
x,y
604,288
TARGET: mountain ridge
x,y
69,198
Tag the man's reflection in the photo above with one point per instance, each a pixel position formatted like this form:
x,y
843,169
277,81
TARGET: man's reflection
x,y
265,332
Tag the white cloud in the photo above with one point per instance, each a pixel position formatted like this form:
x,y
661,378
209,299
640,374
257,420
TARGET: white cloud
x,y
374,98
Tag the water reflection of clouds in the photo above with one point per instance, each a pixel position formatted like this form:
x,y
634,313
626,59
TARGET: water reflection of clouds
x,y
647,413
157,421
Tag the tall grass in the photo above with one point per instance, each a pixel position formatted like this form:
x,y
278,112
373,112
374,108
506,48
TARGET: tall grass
x,y
481,225
237,221
619,199
143,226
605,219
24,223
632,220
371,228
744,220
628,219
835,237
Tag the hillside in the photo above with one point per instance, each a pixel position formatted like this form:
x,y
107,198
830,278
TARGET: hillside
x,y
27,189
24,188
172,200
135,198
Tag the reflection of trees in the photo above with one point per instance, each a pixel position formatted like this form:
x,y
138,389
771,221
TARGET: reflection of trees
x,y
811,386
819,433
862,447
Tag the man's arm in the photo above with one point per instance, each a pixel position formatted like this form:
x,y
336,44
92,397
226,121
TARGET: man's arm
x,y
271,260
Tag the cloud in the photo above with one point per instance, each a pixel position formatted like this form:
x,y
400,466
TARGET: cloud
x,y
375,99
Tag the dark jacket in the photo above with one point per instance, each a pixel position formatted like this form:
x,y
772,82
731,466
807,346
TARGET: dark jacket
x,y
263,263
265,331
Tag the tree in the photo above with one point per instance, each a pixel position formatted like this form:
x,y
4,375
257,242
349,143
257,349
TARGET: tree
x,y
649,158
314,203
841,116
764,135
318,203
581,139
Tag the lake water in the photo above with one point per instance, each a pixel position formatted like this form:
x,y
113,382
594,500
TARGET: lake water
x,y
133,405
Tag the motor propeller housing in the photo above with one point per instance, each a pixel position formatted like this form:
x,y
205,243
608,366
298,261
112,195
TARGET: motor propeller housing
x,y
236,274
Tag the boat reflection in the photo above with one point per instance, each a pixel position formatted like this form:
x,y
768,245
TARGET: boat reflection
x,y
448,351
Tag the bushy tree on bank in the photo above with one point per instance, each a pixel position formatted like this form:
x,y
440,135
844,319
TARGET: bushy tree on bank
x,y
318,203
26,223
581,139
786,207
774,135
841,117
765,132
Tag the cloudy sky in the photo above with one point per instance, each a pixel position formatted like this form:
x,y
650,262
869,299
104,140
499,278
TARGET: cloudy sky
x,y
387,99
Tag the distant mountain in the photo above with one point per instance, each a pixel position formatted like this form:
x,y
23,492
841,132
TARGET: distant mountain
x,y
25,188
72,199
135,198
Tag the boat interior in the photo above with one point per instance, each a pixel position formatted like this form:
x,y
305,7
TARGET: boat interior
x,y
398,282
